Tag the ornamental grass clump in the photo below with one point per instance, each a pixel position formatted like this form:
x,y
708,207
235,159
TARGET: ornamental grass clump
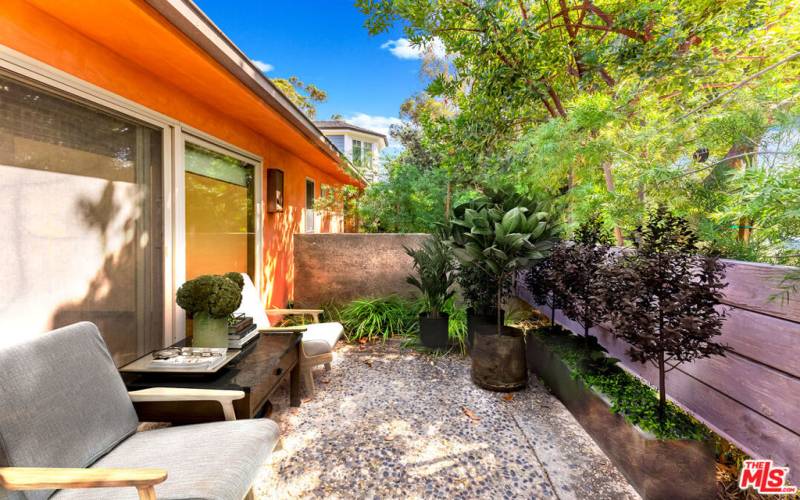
x,y
382,317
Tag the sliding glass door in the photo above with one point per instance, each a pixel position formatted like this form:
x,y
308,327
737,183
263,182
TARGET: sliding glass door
x,y
82,221
220,218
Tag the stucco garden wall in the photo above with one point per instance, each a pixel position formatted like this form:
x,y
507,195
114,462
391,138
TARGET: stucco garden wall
x,y
345,266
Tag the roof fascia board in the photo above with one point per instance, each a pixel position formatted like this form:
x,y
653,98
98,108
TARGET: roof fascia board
x,y
193,23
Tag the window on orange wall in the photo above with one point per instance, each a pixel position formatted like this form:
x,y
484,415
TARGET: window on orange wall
x,y
309,211
220,221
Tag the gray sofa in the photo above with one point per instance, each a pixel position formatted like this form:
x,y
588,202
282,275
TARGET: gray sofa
x,y
64,405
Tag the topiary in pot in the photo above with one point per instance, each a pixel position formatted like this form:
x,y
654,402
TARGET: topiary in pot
x,y
209,300
434,266
499,241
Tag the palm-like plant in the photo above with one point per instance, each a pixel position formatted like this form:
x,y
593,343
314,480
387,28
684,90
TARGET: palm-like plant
x,y
500,240
435,277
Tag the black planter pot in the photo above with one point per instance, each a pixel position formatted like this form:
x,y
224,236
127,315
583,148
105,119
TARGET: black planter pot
x,y
475,321
498,361
433,331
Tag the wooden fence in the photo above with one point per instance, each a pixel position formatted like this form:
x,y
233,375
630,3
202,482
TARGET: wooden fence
x,y
751,396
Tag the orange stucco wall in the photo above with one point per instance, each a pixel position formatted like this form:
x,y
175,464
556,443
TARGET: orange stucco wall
x,y
127,48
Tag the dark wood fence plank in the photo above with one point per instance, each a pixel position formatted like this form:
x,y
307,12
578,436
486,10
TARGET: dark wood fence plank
x,y
772,341
703,388
754,286
766,391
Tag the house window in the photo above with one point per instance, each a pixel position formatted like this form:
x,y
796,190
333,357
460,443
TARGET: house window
x,y
81,212
309,215
362,153
220,220
356,152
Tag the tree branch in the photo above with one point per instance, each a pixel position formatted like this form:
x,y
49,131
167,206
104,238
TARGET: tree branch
x,y
739,85
523,10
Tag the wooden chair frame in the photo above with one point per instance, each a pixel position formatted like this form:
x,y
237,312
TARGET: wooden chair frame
x,y
307,363
144,480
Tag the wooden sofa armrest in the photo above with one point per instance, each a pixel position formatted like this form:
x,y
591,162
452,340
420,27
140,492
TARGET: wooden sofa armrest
x,y
284,329
43,478
173,394
314,313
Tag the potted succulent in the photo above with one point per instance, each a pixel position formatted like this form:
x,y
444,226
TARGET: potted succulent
x,y
209,300
434,266
497,240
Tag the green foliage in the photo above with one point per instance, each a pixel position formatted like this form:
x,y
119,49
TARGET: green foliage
x,y
379,318
217,296
457,327
433,264
410,200
304,95
499,234
236,278
629,396
478,290
602,104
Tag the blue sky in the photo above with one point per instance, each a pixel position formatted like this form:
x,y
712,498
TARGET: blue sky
x,y
325,43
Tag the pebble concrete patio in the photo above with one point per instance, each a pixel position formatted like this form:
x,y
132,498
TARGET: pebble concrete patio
x,y
388,422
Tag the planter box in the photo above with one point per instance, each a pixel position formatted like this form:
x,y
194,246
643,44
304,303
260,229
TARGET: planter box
x,y
657,469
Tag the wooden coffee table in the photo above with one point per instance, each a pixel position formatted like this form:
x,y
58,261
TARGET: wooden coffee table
x,y
256,371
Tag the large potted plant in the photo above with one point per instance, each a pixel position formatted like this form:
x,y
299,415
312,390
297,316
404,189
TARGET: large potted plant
x,y
209,300
433,264
499,241
478,290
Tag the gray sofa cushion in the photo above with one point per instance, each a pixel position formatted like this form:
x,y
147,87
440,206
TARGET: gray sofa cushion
x,y
63,401
216,461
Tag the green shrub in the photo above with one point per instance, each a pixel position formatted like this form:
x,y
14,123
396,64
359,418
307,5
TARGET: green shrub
x,y
216,296
379,318
629,396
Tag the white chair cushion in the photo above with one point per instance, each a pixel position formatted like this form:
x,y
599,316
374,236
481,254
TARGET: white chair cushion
x,y
251,304
320,338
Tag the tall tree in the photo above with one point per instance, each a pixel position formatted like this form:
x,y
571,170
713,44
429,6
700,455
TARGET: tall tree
x,y
304,95
617,88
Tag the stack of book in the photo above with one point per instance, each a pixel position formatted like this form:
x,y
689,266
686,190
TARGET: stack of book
x,y
188,359
241,331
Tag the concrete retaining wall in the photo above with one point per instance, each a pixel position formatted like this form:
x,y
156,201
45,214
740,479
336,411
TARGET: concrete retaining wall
x,y
345,266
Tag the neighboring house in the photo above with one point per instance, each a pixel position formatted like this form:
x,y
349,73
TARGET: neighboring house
x,y
362,146
135,147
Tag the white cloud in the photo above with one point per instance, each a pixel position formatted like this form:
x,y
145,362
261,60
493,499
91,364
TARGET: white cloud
x,y
262,66
402,48
379,124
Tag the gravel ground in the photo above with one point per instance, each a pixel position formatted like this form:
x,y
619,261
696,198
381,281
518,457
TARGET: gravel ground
x,y
389,422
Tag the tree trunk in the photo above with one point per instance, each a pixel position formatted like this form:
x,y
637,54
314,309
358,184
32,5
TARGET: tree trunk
x,y
447,200
662,388
609,175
